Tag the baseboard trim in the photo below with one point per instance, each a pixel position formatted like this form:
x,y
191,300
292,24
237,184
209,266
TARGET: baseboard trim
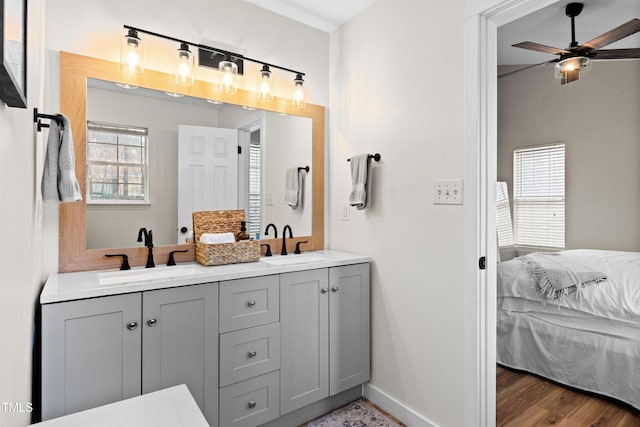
x,y
399,410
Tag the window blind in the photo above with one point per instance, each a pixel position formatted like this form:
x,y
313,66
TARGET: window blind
x,y
539,196
254,187
503,216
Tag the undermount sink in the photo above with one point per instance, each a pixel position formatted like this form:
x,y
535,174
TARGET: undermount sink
x,y
142,275
293,259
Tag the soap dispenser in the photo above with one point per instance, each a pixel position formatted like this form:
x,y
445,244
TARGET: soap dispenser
x,y
242,234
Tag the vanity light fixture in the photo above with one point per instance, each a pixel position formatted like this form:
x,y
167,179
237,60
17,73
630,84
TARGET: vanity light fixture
x,y
299,94
265,84
229,70
184,65
132,53
228,63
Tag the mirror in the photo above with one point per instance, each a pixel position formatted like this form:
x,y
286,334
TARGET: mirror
x,y
270,143
75,70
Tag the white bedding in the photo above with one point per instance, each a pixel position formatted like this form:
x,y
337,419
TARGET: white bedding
x,y
617,298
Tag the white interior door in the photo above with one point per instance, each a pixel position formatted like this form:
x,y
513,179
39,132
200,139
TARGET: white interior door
x,y
207,173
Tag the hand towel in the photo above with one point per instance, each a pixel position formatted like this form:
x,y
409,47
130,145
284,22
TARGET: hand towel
x,y
359,177
59,183
217,238
293,187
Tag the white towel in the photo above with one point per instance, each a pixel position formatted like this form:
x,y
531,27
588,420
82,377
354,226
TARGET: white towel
x,y
59,183
217,238
293,187
359,177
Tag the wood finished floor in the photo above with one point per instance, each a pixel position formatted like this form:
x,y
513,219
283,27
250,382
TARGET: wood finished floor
x,y
524,400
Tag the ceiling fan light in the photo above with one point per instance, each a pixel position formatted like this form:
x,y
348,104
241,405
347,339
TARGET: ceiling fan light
x,y
570,69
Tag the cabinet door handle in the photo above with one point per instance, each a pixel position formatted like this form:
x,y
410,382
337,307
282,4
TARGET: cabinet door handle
x,y
252,404
324,290
251,303
152,321
335,289
132,325
252,354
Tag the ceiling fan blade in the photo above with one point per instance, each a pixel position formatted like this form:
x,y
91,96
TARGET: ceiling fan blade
x,y
508,73
614,35
540,48
617,53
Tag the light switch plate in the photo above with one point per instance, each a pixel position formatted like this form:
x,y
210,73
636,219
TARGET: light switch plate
x,y
447,192
345,211
268,199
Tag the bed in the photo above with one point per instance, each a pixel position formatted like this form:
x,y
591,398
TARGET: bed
x,y
589,341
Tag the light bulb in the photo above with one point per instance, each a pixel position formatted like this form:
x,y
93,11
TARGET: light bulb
x,y
299,95
229,70
184,66
265,84
131,54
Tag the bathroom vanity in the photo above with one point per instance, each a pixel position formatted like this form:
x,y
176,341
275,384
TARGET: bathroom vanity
x,y
278,341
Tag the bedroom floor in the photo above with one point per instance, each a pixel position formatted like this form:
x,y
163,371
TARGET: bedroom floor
x,y
524,400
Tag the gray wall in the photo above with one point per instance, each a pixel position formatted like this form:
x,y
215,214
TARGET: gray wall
x,y
598,118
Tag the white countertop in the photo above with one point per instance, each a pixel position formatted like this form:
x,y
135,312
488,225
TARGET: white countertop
x,y
171,407
87,284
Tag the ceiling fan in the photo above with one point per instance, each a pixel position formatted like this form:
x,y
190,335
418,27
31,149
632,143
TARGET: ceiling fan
x,y
577,57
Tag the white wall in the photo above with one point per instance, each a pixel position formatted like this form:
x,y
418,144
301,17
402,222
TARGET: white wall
x,y
287,144
117,227
96,31
21,275
597,118
396,88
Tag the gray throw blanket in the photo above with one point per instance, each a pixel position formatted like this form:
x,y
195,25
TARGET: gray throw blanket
x,y
555,276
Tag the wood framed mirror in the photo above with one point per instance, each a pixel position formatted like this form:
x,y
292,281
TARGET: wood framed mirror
x,y
74,72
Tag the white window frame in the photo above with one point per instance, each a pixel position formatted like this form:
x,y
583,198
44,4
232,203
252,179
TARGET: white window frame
x,y
119,130
539,196
504,224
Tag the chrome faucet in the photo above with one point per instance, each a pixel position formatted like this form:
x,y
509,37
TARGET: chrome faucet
x,y
148,242
275,231
284,239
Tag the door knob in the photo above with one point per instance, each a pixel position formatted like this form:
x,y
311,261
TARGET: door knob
x,y
252,404
183,229
335,289
253,354
152,321
251,303
324,290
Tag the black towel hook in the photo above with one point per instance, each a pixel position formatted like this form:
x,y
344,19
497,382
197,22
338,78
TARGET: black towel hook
x,y
306,169
37,116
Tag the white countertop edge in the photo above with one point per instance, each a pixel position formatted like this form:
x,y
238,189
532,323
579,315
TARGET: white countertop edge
x,y
82,285
172,406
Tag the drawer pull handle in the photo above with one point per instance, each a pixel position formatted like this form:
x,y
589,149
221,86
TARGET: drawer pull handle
x,y
152,321
251,303
335,289
132,325
252,404
324,290
252,354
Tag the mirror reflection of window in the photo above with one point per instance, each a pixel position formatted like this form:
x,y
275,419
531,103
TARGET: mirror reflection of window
x,y
116,164
503,212
255,203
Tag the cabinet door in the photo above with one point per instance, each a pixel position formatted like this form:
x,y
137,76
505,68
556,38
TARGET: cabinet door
x,y
304,337
180,343
90,353
349,327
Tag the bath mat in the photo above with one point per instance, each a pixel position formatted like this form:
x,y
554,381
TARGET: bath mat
x,y
355,414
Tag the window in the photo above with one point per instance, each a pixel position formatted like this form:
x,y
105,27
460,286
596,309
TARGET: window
x,y
503,216
255,158
538,196
116,164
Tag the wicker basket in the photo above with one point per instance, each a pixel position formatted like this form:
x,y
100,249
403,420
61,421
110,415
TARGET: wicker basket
x,y
222,253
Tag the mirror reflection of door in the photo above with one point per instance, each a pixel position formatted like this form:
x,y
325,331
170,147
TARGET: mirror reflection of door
x,y
207,173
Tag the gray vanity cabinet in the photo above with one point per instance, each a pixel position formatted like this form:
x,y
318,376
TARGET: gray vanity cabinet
x,y
180,343
91,353
324,321
101,350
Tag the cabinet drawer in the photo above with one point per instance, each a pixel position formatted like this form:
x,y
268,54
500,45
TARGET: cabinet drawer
x,y
252,402
248,353
245,303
